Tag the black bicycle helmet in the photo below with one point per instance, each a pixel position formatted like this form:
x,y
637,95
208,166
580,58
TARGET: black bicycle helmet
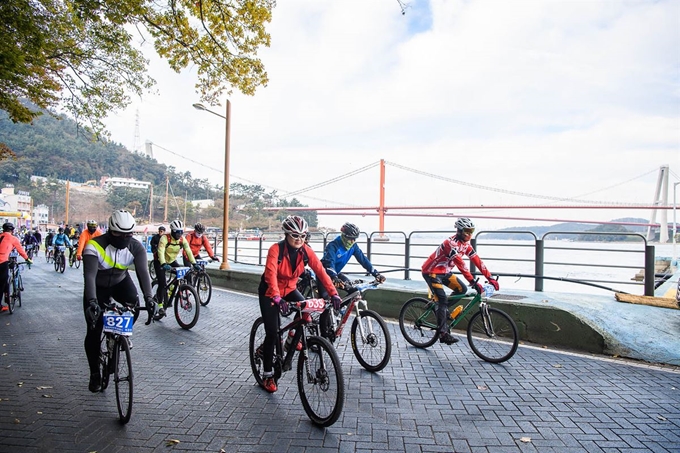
x,y
8,226
199,228
350,230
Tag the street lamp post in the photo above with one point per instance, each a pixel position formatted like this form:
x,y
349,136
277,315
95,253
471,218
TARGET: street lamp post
x,y
224,265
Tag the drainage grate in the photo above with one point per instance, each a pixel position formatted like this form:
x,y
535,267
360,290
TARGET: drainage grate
x,y
507,297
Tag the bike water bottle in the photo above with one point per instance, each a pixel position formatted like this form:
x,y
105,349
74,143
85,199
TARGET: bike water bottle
x,y
488,289
456,311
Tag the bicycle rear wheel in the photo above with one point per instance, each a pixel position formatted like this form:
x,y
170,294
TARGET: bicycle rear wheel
x,y
152,270
418,322
187,306
9,298
492,335
374,348
320,382
257,334
204,288
123,379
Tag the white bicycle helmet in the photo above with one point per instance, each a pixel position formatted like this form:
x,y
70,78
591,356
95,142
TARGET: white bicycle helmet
x,y
177,225
463,223
295,224
121,221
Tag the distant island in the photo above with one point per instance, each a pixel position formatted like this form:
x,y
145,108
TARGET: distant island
x,y
575,227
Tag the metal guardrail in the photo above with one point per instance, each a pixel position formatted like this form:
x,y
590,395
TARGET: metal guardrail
x,y
402,251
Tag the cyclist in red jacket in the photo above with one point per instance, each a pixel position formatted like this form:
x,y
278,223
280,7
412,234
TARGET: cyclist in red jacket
x,y
438,271
197,240
8,242
278,286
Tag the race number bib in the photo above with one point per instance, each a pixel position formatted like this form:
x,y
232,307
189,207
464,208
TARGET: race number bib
x,y
120,324
181,271
314,305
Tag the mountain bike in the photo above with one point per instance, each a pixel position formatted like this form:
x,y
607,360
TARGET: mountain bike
x,y
201,281
319,374
491,333
15,283
114,353
59,258
72,260
180,295
30,250
370,337
49,254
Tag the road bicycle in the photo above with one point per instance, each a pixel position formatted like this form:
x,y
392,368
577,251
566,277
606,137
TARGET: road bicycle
x,y
114,353
201,281
15,283
180,295
370,337
491,333
72,260
319,374
59,258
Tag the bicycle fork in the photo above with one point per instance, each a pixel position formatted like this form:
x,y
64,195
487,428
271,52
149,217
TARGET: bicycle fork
x,y
486,317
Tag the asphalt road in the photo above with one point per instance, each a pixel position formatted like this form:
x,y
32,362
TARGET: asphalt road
x,y
196,387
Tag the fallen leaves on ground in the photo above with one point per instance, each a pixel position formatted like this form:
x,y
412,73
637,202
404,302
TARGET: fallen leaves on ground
x,y
525,439
171,442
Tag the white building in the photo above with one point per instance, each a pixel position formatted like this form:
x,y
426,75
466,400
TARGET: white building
x,y
202,204
109,182
40,216
15,207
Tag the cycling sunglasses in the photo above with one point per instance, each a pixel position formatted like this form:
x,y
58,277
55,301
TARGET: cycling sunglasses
x,y
297,235
468,230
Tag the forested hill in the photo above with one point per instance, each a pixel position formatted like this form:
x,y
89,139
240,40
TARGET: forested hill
x,y
55,147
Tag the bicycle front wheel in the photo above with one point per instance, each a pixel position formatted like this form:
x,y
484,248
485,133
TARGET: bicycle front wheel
x,y
186,306
123,379
492,335
320,382
204,288
104,369
55,260
18,287
62,263
418,322
152,270
373,347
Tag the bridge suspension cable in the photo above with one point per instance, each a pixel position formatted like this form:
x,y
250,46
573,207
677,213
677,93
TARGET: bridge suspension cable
x,y
510,192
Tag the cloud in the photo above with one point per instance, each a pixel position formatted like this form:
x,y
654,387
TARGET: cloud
x,y
559,98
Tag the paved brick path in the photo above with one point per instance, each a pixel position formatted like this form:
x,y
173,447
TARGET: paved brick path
x,y
196,387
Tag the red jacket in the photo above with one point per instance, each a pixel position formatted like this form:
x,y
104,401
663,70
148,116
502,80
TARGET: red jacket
x,y
196,244
449,254
9,242
282,278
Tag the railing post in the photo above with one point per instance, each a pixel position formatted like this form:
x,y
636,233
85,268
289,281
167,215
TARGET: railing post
x,y
539,264
473,268
368,247
650,271
259,251
235,248
407,257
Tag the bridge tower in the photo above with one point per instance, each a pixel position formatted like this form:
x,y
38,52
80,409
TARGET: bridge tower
x,y
660,199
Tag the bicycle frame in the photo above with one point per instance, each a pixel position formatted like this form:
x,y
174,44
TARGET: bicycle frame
x,y
356,304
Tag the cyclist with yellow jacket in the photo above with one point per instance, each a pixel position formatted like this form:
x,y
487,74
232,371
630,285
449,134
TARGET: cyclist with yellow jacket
x,y
168,250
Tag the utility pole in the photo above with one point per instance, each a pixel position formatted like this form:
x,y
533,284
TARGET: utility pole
x,y
151,204
68,187
167,185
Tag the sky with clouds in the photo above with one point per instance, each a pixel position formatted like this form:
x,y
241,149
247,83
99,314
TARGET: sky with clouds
x,y
470,103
